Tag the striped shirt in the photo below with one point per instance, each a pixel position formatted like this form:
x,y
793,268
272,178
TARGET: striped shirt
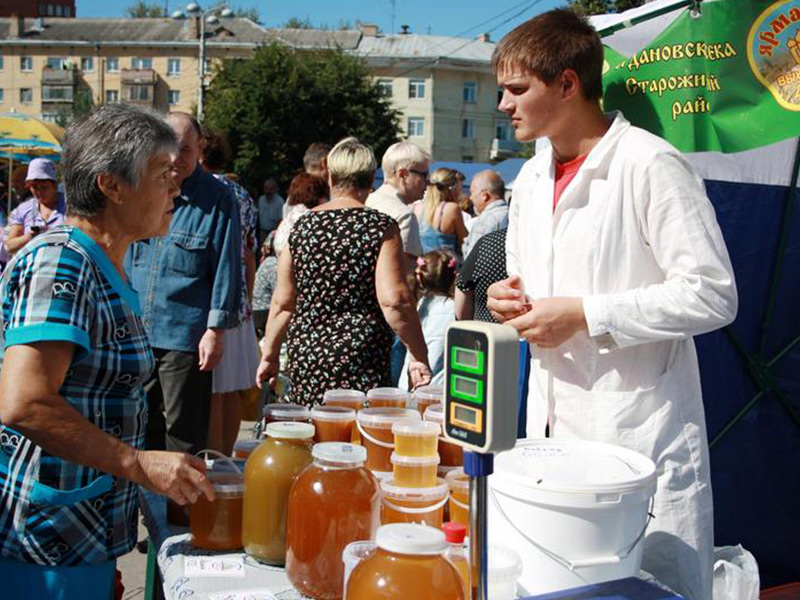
x,y
63,287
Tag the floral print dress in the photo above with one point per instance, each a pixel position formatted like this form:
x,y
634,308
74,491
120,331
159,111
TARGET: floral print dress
x,y
338,337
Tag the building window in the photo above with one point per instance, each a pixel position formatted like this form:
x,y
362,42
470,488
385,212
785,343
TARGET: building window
x,y
141,63
2,63
385,88
26,63
502,130
56,93
139,93
50,117
207,67
26,95
470,92
87,63
112,96
173,67
173,97
67,11
2,95
56,62
468,128
112,65
416,88
416,126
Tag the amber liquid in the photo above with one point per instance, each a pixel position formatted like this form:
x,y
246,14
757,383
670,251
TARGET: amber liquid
x,y
450,455
390,402
424,403
388,576
406,444
328,509
458,513
414,476
217,525
432,518
332,431
268,477
379,458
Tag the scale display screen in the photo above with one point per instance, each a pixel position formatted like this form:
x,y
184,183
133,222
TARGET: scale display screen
x,y
467,389
468,360
467,415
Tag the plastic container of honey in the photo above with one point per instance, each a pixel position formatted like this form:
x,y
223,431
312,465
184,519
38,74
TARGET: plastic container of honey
x,y
353,554
332,423
347,398
408,563
417,438
458,482
414,471
387,396
451,455
243,448
268,477
414,505
426,396
334,501
375,427
285,412
217,524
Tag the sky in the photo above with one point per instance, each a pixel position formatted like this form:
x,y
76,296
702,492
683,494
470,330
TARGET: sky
x,y
463,18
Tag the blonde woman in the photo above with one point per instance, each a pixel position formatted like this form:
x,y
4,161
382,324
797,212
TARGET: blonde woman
x,y
342,291
441,226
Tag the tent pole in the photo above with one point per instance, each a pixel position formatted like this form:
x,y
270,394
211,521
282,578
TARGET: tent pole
x,y
10,171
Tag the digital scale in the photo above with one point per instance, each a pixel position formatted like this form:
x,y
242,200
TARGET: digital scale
x,y
480,415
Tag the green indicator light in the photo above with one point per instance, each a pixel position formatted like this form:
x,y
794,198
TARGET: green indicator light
x,y
467,389
467,360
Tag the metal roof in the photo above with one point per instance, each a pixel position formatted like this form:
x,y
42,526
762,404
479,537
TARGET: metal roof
x,y
415,46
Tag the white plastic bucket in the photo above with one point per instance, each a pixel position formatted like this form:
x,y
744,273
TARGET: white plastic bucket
x,y
576,512
505,567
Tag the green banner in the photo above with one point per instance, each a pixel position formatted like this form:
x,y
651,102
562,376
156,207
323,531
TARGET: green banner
x,y
727,80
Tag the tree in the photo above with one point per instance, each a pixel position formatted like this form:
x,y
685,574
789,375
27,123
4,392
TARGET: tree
x,y
141,9
271,107
599,7
298,23
248,13
82,105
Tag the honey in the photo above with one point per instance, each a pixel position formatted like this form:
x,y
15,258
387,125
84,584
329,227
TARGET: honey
x,y
375,426
243,448
333,423
268,477
414,471
426,396
333,502
217,525
419,438
388,396
414,505
458,482
451,455
285,412
408,563
346,398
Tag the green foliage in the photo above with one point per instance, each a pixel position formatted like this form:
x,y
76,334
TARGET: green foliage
x,y
599,7
82,105
248,13
141,9
275,104
298,23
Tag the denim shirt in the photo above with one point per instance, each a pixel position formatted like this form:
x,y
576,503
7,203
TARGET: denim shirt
x,y
190,280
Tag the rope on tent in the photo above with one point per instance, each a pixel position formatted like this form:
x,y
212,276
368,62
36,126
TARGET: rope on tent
x,y
758,366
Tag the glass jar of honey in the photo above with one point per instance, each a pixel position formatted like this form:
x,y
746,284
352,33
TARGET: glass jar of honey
x,y
375,427
217,524
333,502
333,423
426,396
451,455
347,398
268,477
387,396
408,563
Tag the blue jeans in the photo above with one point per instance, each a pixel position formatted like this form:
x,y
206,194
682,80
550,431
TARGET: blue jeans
x,y
29,581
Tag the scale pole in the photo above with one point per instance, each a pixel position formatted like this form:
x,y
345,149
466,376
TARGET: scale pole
x,y
478,467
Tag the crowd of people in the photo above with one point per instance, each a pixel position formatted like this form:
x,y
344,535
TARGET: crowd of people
x,y
134,305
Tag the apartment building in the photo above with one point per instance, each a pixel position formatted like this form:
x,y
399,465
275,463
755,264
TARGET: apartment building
x,y
443,86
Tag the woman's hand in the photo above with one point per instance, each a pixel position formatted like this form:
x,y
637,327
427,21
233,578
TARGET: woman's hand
x,y
181,477
419,374
268,370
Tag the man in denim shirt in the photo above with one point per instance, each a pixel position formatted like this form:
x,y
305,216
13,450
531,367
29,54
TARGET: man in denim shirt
x,y
189,286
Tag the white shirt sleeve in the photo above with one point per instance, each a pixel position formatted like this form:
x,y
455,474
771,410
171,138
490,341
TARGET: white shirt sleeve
x,y
512,250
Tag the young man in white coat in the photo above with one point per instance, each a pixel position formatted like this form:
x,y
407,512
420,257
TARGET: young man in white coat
x,y
615,261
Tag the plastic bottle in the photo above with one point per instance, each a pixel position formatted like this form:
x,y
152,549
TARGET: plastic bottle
x,y
457,553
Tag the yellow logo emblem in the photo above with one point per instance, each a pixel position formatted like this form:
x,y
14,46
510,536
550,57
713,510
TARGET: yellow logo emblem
x,y
773,50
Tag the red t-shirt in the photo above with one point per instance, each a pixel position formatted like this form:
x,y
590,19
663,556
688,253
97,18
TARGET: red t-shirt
x,y
565,172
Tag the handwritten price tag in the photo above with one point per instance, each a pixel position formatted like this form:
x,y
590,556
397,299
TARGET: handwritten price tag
x,y
243,595
213,566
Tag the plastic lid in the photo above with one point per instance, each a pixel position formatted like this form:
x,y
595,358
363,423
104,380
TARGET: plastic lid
x,y
575,466
333,413
435,412
429,392
344,396
388,393
410,538
415,461
286,411
340,453
431,494
226,482
290,430
248,445
385,416
505,565
454,533
421,428
458,479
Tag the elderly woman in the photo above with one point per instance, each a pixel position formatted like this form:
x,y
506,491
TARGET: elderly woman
x,y
75,354
44,210
342,291
306,192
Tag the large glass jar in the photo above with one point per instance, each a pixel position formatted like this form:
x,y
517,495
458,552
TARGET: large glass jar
x,y
333,502
268,477
408,563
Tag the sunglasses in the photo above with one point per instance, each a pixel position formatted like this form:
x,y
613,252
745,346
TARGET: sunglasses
x,y
423,174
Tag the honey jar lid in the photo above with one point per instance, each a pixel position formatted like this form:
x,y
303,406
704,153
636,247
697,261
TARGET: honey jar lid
x,y
388,393
291,430
340,453
280,410
333,413
429,392
342,394
435,413
385,416
411,538
417,428
227,483
457,480
414,461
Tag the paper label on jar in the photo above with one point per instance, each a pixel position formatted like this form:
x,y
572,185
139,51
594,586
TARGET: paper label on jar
x,y
213,566
243,595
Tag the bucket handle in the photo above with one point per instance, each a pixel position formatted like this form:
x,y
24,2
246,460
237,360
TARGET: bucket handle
x,y
575,564
220,456
415,511
372,439
458,503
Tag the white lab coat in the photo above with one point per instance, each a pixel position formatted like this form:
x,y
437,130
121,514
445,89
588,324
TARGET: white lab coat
x,y
635,236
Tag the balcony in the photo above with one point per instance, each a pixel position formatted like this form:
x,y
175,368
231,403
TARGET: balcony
x,y
504,148
138,77
59,76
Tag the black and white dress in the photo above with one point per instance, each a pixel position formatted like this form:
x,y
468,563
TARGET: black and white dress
x,y
485,264
338,337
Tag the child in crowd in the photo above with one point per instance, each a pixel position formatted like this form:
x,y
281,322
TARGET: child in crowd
x,y
434,282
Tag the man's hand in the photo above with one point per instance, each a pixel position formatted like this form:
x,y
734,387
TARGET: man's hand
x,y
550,322
506,299
210,349
179,476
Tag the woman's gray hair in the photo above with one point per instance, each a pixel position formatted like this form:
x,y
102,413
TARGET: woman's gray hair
x,y
352,164
118,139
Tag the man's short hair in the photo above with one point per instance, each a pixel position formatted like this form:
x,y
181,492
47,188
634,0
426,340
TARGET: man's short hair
x,y
550,43
401,156
315,154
